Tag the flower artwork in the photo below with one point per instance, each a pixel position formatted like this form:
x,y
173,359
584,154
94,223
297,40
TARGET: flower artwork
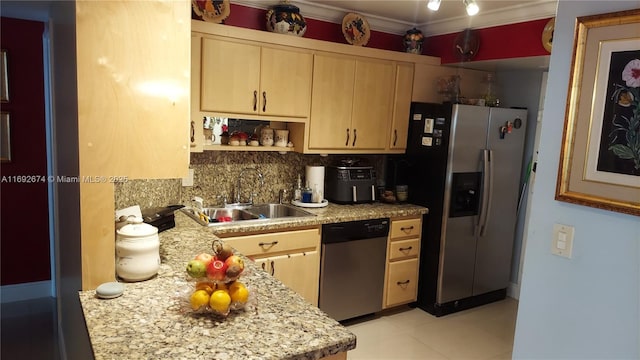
x,y
620,138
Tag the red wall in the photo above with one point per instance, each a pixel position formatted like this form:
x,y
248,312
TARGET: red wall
x,y
252,18
499,42
24,241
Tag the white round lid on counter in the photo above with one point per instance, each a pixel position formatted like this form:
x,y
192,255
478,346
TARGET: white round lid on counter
x,y
135,230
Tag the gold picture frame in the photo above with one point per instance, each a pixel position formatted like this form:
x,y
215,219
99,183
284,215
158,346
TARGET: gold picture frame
x,y
5,137
600,156
4,86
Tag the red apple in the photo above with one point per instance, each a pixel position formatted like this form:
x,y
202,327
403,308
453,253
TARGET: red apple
x,y
216,270
235,266
204,257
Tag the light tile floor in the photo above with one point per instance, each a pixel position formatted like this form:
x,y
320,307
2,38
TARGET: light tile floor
x,y
484,332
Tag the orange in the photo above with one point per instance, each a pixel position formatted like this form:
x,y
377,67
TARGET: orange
x,y
220,301
238,293
206,286
199,299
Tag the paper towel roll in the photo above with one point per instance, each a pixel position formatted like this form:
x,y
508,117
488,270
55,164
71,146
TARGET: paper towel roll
x,y
315,179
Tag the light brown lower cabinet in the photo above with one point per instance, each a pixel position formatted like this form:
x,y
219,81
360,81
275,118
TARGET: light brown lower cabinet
x,y
293,257
403,262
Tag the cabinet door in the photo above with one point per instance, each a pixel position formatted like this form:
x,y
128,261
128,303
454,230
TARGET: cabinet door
x,y
372,99
285,83
300,272
401,107
230,76
331,102
402,282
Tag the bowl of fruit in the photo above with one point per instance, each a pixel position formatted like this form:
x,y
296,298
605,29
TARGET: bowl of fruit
x,y
215,286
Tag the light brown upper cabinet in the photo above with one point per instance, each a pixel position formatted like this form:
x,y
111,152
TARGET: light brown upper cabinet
x,y
401,107
351,104
243,78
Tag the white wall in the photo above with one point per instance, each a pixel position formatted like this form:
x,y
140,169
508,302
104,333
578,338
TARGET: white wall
x,y
587,306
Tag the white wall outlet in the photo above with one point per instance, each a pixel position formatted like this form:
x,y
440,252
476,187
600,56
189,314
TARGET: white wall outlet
x,y
562,243
188,180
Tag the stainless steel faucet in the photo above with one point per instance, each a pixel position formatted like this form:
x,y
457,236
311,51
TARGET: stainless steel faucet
x,y
238,192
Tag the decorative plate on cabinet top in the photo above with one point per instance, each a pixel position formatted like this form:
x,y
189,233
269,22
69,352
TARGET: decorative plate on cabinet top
x,y
214,11
547,34
355,29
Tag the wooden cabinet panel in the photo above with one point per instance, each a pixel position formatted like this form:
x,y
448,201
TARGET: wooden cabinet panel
x,y
404,249
403,278
285,82
300,272
372,99
405,228
332,101
230,75
133,94
401,107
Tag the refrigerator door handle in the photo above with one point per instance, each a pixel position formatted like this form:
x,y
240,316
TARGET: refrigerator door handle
x,y
487,209
485,193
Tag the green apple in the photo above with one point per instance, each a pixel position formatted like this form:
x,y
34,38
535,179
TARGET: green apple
x,y
196,268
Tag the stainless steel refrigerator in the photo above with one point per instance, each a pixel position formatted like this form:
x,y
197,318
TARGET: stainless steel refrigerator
x,y
464,163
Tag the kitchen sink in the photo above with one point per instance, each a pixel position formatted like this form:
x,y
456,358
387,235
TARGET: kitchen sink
x,y
216,216
261,212
276,211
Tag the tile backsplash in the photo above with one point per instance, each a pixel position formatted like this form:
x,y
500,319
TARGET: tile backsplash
x,y
216,175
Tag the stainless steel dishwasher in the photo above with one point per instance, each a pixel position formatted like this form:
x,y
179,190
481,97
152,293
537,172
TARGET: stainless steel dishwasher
x,y
352,268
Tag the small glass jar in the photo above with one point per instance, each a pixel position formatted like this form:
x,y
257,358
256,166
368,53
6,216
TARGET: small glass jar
x,y
490,91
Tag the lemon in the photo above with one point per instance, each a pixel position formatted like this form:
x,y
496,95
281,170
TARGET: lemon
x,y
220,301
239,293
206,286
199,299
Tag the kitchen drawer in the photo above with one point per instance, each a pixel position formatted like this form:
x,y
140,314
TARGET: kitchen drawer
x,y
275,243
402,285
401,249
405,228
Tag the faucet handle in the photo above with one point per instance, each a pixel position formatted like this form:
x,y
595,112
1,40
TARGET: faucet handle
x,y
224,199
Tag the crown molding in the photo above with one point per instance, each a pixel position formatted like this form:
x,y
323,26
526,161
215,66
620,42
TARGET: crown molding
x,y
531,10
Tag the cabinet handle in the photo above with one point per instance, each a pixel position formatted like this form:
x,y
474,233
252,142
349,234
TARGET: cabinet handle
x,y
193,131
273,268
264,266
267,244
264,101
407,228
395,136
255,100
354,137
347,143
403,282
406,249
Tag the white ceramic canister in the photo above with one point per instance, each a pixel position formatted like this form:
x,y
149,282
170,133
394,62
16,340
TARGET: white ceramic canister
x,y
137,252
282,138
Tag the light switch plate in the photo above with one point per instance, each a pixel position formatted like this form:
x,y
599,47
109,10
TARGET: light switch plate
x,y
562,243
188,180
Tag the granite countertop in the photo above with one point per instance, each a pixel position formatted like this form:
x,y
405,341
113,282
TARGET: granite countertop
x,y
151,319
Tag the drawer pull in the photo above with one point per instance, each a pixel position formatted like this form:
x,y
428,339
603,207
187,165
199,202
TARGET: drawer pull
x,y
263,244
403,282
407,229
406,248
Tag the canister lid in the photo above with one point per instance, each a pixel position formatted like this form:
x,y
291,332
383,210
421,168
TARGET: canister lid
x,y
136,230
